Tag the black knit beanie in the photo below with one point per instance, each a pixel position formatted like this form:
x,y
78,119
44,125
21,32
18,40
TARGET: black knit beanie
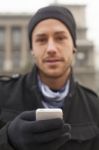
x,y
57,12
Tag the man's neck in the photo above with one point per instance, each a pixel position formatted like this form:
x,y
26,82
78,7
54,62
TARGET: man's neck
x,y
55,83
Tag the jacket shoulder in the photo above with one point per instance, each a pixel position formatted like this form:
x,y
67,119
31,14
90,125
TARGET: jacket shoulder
x,y
88,90
5,78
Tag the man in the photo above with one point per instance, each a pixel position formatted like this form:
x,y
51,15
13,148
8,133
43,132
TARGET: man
x,y
52,37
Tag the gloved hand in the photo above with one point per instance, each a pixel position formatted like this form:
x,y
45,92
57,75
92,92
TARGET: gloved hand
x,y
25,133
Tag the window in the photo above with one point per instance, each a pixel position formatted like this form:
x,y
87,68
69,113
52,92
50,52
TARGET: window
x,y
16,46
2,49
16,37
2,37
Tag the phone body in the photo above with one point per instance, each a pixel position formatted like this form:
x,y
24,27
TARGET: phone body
x,y
48,113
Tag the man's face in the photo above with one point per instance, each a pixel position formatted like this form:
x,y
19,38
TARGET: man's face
x,y
52,47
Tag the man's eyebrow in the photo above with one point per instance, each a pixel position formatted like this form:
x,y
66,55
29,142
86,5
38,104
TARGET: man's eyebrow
x,y
40,35
60,32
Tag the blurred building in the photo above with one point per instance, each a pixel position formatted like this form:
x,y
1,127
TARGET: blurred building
x,y
14,46
13,42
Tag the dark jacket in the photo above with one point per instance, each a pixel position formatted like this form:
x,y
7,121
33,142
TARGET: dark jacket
x,y
81,110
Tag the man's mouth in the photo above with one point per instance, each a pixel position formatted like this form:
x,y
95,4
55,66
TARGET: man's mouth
x,y
52,61
55,60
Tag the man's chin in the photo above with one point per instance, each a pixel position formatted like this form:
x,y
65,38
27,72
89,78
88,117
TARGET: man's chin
x,y
53,74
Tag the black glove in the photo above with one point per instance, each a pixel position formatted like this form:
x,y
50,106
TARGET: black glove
x,y
25,133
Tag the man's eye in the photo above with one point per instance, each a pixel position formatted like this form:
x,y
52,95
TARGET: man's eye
x,y
61,38
41,40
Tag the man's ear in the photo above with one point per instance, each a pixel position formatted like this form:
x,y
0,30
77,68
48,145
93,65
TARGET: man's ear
x,y
74,50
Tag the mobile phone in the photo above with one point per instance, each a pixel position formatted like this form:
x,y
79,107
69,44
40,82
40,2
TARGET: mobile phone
x,y
48,113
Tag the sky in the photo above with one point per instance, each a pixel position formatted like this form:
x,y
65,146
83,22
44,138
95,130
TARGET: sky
x,y
30,6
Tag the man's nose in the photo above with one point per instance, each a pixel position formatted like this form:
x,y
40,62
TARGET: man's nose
x,y
51,46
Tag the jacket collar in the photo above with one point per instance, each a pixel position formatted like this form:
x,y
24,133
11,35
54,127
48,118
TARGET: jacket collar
x,y
32,78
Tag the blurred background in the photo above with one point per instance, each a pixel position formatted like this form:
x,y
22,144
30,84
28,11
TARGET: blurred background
x,y
15,56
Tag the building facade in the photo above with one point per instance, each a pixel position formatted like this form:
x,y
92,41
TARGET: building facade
x,y
13,42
